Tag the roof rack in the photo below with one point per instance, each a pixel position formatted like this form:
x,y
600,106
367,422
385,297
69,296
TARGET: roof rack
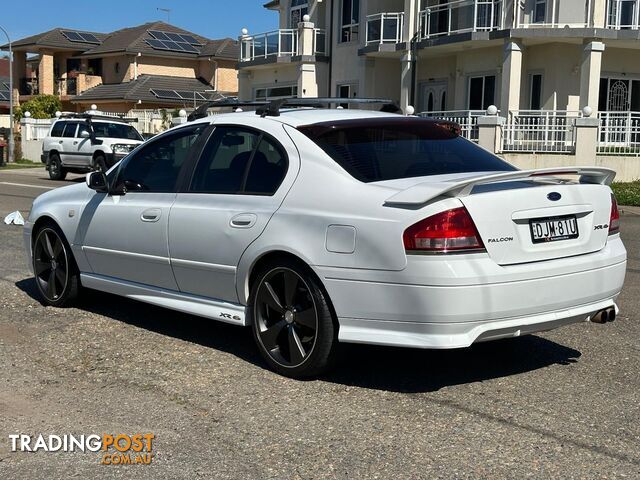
x,y
272,108
95,116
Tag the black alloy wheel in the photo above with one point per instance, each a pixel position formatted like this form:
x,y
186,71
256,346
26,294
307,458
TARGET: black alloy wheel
x,y
54,268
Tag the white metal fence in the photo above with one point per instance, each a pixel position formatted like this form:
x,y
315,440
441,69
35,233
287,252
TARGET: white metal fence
x,y
35,128
537,131
460,16
384,28
619,133
467,119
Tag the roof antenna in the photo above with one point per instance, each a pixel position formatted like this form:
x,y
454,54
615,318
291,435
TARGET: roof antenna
x,y
167,11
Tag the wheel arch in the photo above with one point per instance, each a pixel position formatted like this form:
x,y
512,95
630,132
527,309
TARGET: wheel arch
x,y
42,220
53,151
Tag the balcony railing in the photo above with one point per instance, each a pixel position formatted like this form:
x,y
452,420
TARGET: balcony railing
x,y
467,119
279,43
623,14
384,28
29,86
461,16
619,133
536,131
66,86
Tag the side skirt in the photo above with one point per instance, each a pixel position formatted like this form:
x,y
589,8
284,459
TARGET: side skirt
x,y
183,302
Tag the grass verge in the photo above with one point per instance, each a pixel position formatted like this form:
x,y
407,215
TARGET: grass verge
x,y
627,193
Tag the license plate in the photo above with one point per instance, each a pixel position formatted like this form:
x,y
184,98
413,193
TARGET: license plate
x,y
553,229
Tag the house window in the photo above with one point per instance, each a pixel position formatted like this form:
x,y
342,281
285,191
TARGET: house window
x,y
274,93
299,8
535,91
346,91
539,11
94,66
349,20
482,92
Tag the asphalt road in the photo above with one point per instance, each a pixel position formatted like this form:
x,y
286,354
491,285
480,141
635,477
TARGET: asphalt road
x,y
564,404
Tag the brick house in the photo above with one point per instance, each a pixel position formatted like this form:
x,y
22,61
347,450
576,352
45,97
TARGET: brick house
x,y
154,65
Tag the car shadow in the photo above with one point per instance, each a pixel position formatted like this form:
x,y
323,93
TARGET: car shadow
x,y
365,366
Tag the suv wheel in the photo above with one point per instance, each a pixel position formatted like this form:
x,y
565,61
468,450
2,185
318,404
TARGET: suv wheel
x,y
293,323
55,270
100,163
56,170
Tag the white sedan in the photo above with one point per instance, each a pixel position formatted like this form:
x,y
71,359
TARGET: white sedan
x,y
316,227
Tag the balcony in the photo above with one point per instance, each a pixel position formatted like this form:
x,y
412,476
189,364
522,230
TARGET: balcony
x,y
28,86
384,28
461,16
279,43
66,86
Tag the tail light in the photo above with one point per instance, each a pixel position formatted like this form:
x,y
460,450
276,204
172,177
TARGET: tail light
x,y
614,220
445,232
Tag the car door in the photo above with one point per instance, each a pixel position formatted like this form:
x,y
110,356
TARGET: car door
x,y
81,146
66,145
125,235
238,183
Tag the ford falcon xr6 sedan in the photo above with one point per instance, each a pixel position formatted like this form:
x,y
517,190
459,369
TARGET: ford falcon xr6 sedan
x,y
318,226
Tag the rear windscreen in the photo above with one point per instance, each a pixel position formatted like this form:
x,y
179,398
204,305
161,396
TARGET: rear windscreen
x,y
386,149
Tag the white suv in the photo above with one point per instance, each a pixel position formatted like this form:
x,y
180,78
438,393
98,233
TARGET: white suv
x,y
83,142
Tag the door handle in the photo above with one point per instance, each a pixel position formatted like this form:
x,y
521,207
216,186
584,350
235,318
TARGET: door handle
x,y
60,142
75,143
151,215
244,220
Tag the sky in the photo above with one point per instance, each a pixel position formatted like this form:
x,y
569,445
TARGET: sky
x,y
209,18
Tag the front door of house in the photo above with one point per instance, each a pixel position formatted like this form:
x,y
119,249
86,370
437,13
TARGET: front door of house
x,y
433,96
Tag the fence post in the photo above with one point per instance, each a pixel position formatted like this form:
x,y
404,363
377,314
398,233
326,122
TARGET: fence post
x,y
490,130
586,138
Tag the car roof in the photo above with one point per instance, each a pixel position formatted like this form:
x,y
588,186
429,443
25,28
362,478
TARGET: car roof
x,y
296,117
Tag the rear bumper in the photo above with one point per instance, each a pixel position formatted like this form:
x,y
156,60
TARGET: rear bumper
x,y
456,311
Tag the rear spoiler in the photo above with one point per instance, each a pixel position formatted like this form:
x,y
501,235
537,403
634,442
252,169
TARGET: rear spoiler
x,y
424,192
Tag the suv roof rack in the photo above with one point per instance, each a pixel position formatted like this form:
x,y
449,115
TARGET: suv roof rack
x,y
272,108
94,116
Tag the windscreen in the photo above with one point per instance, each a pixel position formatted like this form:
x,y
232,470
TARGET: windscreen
x,y
115,130
374,150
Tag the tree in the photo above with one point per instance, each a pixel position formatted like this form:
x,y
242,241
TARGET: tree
x,y
40,106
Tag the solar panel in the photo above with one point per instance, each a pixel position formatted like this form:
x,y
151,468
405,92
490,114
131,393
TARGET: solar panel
x,y
173,36
81,37
156,44
170,45
186,95
159,35
4,95
189,39
165,94
187,47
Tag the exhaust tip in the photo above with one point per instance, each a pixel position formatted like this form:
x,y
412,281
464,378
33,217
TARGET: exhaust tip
x,y
611,314
600,317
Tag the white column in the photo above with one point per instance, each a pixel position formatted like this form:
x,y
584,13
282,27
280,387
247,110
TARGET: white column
x,y
244,85
405,80
590,75
599,13
511,78
406,74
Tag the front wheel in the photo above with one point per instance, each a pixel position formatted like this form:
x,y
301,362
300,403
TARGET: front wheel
x,y
293,324
100,164
55,270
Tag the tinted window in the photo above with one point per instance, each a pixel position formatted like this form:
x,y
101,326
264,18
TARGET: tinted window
x,y
57,129
70,130
83,128
155,167
386,149
238,160
115,130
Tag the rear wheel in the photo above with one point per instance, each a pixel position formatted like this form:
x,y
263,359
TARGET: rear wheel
x,y
55,270
293,324
56,170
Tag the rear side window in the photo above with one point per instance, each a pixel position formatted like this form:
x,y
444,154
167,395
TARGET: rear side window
x,y
238,160
70,130
390,148
57,129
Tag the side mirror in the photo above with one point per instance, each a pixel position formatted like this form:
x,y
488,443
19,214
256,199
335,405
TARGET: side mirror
x,y
85,134
97,181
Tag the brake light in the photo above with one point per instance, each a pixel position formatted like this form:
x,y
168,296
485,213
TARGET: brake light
x,y
614,219
445,232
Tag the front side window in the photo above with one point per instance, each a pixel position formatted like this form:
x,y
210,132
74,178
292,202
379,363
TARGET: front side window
x,y
115,130
388,149
349,20
299,8
155,167
239,161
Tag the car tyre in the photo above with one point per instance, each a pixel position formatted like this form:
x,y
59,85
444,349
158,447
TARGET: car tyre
x,y
55,270
293,323
56,170
100,163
